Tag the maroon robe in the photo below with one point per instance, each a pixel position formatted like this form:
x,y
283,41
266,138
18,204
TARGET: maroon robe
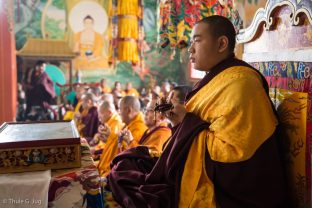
x,y
42,91
91,122
257,182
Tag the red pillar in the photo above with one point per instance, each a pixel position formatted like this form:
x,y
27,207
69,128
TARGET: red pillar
x,y
8,79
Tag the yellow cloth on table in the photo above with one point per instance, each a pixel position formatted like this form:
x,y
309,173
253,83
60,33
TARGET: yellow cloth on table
x,y
137,128
29,189
231,103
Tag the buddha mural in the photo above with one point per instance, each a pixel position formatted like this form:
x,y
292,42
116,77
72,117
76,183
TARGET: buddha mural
x,y
89,23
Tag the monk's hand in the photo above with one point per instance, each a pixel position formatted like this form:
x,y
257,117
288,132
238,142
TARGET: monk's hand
x,y
104,132
125,135
77,116
95,140
176,114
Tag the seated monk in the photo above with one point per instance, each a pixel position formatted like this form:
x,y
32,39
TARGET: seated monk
x,y
225,152
69,115
87,121
110,126
176,98
105,89
156,134
130,90
134,122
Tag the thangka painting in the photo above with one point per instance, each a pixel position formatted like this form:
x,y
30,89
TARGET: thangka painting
x,y
89,22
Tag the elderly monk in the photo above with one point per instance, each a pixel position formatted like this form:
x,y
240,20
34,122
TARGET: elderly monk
x,y
87,121
110,125
133,118
225,151
134,123
156,134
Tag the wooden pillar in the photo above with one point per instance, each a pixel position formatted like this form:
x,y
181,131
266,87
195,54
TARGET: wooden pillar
x,y
70,74
8,74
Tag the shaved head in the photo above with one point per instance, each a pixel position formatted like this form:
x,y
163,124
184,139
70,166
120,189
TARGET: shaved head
x,y
88,100
89,96
105,111
219,26
131,102
129,108
107,97
107,105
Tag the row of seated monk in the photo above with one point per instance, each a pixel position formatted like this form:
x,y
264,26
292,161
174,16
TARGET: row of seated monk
x,y
109,132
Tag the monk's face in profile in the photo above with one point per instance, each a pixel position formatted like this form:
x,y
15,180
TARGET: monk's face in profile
x,y
175,101
125,112
117,86
149,115
86,103
205,49
177,113
104,115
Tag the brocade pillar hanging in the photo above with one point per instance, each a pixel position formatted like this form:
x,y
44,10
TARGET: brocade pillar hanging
x,y
127,31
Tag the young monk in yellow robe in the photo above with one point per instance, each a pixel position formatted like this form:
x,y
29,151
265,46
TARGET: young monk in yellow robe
x,y
134,122
225,152
108,130
156,134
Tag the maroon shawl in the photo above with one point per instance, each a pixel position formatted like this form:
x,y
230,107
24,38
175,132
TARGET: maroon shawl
x,y
91,122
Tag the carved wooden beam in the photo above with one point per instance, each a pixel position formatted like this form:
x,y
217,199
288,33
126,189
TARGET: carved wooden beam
x,y
264,17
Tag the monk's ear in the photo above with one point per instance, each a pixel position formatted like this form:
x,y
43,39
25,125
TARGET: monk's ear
x,y
223,43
